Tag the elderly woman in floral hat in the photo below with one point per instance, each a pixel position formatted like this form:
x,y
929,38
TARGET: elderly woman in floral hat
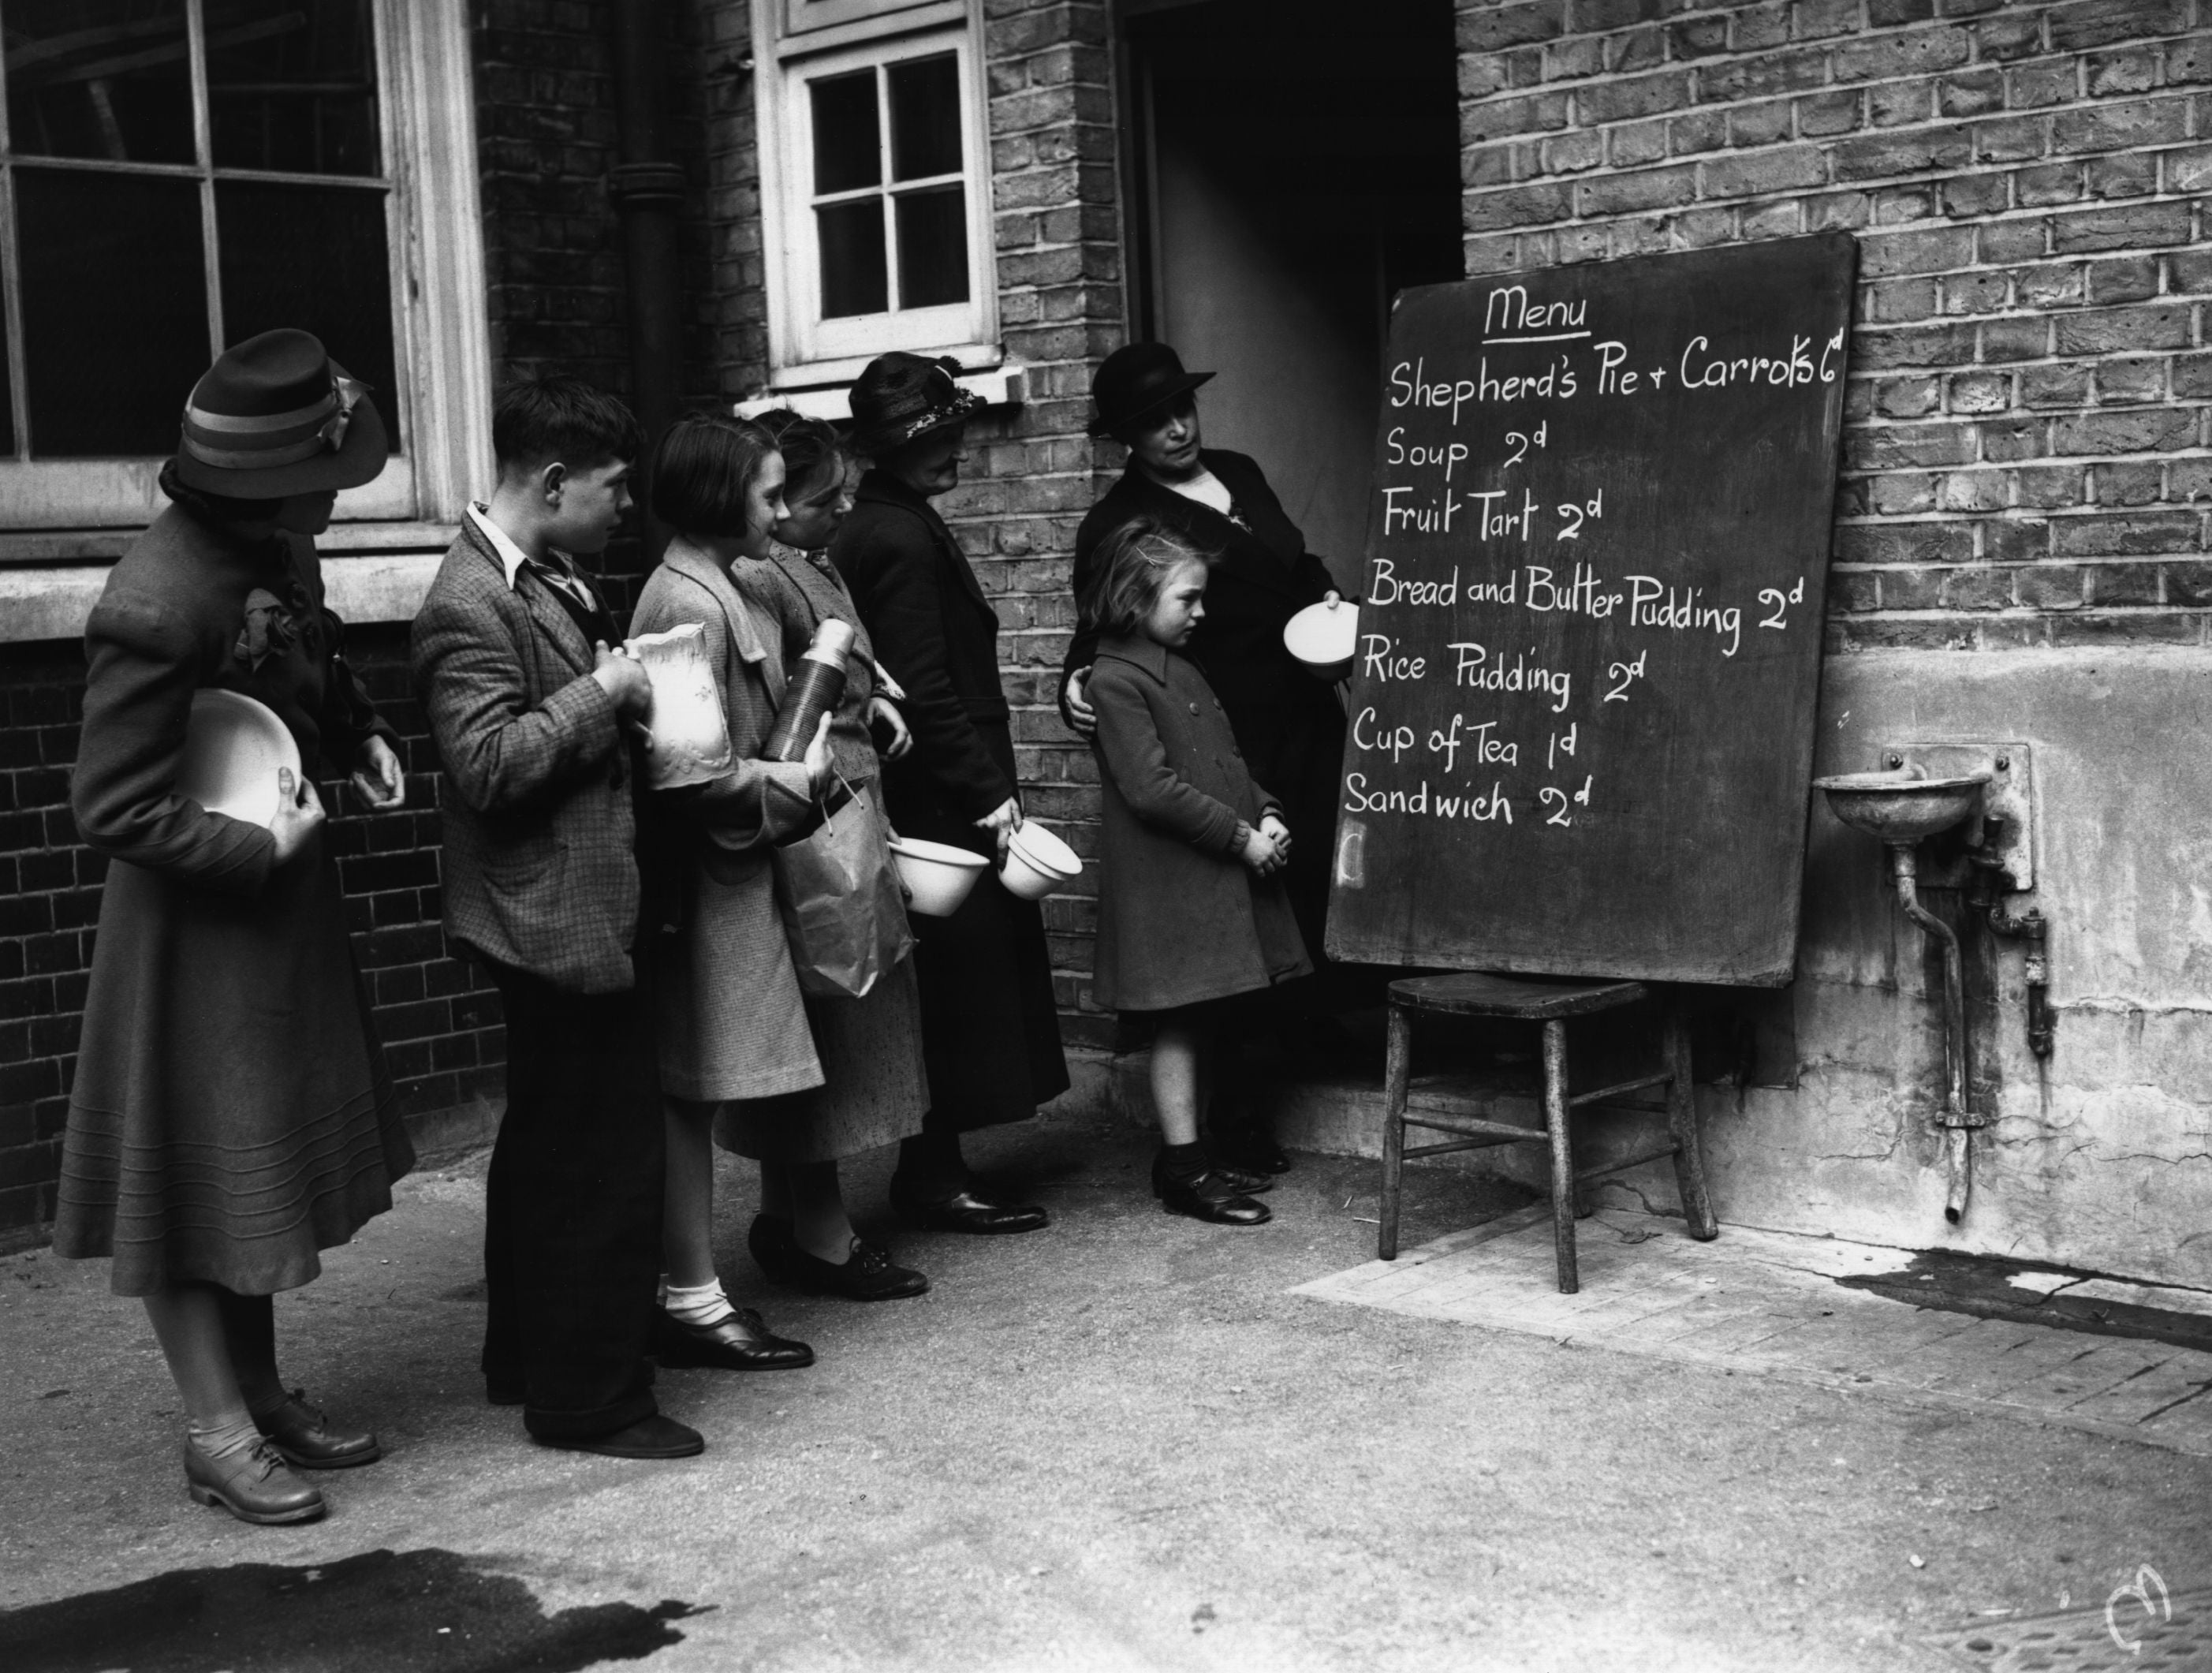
x,y
231,1115
989,1031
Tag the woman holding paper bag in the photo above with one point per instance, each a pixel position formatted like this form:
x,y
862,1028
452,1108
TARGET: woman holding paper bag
x,y
869,1044
738,1048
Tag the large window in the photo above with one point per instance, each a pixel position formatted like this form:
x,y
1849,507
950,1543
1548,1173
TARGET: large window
x,y
178,175
878,185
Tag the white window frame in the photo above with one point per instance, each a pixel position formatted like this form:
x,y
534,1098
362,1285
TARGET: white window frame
x,y
441,352
806,351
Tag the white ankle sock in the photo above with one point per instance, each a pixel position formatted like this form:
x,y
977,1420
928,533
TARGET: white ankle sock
x,y
215,1440
703,1304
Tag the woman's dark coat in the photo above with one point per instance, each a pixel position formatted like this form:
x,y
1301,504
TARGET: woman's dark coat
x,y
231,1115
1289,724
1181,919
990,1033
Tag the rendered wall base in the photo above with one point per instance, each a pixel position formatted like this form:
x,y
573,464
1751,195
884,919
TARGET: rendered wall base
x,y
2099,1158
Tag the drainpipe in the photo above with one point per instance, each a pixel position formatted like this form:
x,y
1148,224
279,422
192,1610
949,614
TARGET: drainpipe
x,y
648,192
1955,1121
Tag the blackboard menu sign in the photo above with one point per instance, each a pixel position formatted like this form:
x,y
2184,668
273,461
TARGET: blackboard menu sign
x,y
1582,704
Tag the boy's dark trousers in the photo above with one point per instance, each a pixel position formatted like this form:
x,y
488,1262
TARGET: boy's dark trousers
x,y
572,1211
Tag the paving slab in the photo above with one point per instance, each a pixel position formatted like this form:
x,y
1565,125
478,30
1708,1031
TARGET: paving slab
x,y
1770,1302
1126,1443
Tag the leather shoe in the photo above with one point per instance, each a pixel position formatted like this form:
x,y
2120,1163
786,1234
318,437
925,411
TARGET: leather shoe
x,y
965,1211
867,1275
1208,1196
306,1438
767,1240
740,1342
1249,1150
252,1483
654,1437
1251,1183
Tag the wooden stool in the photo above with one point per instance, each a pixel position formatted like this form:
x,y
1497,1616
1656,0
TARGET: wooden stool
x,y
1550,1003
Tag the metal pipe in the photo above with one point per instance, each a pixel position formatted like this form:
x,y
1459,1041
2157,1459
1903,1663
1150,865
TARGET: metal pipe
x,y
649,191
1957,1145
2034,930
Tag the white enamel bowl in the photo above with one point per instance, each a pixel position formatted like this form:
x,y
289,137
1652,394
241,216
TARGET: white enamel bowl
x,y
937,876
1038,862
1323,639
233,747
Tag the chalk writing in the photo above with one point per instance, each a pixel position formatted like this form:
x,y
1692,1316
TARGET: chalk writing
x,y
1598,536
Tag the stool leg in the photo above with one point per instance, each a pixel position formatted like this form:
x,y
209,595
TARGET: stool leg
x,y
1682,1122
1563,1154
1397,1071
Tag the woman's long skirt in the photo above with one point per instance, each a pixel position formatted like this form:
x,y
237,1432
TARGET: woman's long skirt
x,y
231,1115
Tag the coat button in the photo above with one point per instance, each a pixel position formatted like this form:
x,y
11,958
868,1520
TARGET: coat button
x,y
1193,708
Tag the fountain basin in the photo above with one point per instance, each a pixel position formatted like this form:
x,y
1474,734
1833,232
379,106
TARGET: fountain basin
x,y
1901,806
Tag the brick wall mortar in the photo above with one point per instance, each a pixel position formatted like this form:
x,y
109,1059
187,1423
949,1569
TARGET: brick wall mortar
x,y
2025,450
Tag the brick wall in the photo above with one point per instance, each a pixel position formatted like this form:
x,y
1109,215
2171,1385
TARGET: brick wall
x,y
2025,452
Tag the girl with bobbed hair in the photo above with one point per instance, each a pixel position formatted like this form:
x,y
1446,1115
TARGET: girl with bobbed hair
x,y
727,1004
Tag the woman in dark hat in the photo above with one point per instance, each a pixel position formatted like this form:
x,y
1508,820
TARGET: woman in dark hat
x,y
990,1033
231,1115
1289,726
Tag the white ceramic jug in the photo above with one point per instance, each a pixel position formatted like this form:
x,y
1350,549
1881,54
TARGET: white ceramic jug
x,y
690,739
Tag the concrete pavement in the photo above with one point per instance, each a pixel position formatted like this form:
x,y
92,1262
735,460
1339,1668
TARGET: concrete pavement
x,y
1122,1443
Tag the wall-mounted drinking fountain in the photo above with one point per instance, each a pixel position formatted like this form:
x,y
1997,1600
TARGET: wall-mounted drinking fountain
x,y
1902,806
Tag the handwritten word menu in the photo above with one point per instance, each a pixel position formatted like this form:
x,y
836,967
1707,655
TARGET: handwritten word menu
x,y
1582,709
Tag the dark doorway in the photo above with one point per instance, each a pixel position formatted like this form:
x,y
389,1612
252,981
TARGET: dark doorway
x,y
1294,163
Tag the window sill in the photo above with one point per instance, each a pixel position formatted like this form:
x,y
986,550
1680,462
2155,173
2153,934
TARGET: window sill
x,y
371,572
823,391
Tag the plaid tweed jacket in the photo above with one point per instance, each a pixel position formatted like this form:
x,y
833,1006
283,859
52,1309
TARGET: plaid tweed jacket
x,y
540,832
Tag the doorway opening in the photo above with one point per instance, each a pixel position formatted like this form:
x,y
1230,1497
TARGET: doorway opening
x,y
1293,165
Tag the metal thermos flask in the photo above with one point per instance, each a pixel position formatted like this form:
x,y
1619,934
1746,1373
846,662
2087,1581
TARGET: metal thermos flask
x,y
815,688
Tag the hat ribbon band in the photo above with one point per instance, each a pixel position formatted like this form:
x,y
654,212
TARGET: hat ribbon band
x,y
254,459
335,409
964,403
261,423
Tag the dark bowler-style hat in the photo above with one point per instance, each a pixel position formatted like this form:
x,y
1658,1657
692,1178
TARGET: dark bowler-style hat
x,y
1134,380
277,416
901,398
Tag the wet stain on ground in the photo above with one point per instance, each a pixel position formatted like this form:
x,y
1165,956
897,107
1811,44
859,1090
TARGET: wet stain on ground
x,y
378,1612
1949,1280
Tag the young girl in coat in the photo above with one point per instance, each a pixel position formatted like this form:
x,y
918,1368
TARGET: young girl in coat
x,y
1192,910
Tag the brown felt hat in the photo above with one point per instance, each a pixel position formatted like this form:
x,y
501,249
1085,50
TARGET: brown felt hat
x,y
1134,380
901,398
275,416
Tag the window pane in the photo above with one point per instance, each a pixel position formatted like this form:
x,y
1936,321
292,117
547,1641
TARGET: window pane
x,y
115,325
847,143
292,85
925,118
854,280
314,257
99,78
933,247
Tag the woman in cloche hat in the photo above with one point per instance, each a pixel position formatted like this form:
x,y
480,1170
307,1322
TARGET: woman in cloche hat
x,y
231,1115
990,1035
